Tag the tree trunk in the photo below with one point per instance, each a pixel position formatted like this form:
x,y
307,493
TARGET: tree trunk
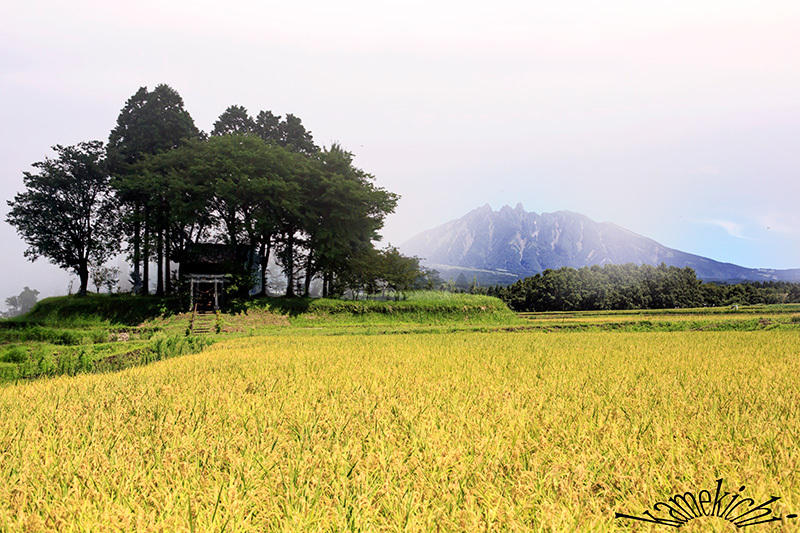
x,y
160,262
309,273
137,244
146,257
83,275
290,265
167,255
265,250
181,253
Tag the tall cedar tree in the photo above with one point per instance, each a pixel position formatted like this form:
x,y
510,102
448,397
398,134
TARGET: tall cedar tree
x,y
151,122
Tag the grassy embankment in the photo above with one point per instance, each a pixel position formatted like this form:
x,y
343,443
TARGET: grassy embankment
x,y
71,335
305,427
744,318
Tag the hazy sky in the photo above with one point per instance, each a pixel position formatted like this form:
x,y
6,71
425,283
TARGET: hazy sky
x,y
678,120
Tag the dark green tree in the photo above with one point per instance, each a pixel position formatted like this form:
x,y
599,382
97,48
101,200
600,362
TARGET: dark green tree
x,y
343,213
241,188
295,136
626,286
68,212
268,127
151,122
293,217
363,274
399,272
234,121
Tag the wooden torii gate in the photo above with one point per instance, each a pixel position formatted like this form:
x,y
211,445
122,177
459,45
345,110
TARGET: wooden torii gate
x,y
195,280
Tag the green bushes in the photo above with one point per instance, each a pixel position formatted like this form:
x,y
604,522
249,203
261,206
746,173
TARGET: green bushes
x,y
14,354
165,347
70,335
65,337
20,362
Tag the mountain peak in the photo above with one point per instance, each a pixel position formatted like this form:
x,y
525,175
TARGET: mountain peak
x,y
518,210
511,243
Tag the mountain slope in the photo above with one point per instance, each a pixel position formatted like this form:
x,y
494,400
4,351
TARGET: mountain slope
x,y
502,246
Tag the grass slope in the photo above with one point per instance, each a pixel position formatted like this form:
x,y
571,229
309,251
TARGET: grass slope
x,y
70,335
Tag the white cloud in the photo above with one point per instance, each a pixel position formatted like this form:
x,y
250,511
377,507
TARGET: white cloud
x,y
734,229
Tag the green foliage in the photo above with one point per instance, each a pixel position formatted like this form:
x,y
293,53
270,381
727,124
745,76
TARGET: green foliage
x,y
234,121
288,133
422,307
608,287
150,123
167,346
43,359
342,216
67,212
8,372
374,271
14,354
35,333
259,183
71,334
636,287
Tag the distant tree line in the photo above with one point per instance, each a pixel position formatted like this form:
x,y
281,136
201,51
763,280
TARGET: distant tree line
x,y
20,304
633,286
161,185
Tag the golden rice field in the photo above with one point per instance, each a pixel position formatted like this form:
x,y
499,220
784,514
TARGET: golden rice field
x,y
464,431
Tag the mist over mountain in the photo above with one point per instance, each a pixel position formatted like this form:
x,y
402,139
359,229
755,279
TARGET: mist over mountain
x,y
509,244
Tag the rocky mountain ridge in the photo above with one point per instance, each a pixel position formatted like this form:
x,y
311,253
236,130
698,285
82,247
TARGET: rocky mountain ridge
x,y
509,244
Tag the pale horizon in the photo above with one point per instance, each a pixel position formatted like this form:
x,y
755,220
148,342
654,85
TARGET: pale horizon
x,y
678,122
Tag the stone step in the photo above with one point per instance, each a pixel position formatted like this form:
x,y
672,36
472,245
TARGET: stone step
x,y
203,323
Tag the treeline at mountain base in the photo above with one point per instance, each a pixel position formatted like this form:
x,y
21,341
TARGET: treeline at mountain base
x,y
630,286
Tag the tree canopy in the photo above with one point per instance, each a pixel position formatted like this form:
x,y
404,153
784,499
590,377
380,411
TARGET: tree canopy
x,y
161,186
315,211
68,212
151,122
